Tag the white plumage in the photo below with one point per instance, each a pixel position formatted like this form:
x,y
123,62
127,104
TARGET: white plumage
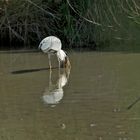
x,y
50,42
53,45
61,55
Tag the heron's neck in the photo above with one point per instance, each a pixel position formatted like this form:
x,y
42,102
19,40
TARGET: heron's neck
x,y
61,55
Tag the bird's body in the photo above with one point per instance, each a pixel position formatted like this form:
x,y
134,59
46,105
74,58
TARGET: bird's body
x,y
49,44
53,45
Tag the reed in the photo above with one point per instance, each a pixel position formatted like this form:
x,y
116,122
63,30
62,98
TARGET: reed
x,y
76,22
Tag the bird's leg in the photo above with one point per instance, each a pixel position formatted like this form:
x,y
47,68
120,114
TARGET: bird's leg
x,y
50,70
50,79
49,57
59,66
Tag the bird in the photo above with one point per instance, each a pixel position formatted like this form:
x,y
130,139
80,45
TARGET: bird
x,y
52,45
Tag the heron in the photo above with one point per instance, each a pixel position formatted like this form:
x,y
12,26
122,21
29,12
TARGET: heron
x,y
52,45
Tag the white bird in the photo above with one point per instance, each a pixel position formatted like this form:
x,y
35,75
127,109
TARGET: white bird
x,y
52,45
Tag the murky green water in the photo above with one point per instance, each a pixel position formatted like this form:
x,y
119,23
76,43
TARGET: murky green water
x,y
97,100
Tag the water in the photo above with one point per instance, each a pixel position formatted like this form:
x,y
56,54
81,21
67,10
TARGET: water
x,y
98,99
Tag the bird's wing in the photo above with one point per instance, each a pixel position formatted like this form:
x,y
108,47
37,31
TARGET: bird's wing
x,y
50,43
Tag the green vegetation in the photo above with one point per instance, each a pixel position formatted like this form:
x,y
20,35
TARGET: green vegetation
x,y
78,23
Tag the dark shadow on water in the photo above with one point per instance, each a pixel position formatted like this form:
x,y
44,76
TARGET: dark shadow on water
x,y
19,51
30,70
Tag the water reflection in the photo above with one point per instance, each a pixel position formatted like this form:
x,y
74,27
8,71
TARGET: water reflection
x,y
54,92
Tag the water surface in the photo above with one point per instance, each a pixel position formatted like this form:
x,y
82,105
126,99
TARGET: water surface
x,y
98,99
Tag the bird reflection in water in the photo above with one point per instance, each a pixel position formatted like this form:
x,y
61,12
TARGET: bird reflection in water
x,y
54,93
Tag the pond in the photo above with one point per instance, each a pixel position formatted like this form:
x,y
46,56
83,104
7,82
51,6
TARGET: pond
x,y
98,99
